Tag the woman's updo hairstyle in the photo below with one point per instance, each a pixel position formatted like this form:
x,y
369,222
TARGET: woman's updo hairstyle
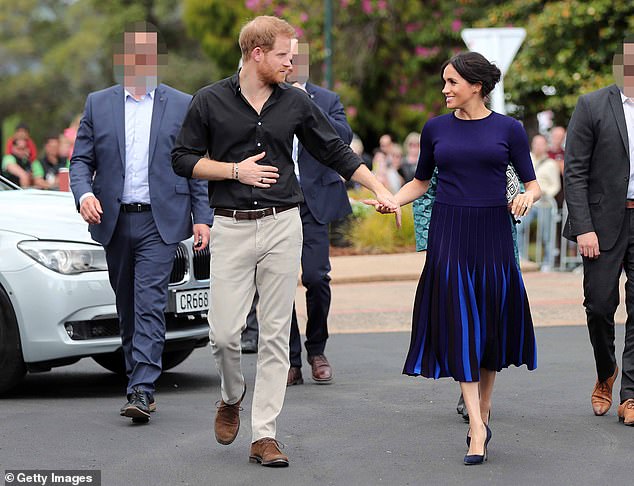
x,y
475,68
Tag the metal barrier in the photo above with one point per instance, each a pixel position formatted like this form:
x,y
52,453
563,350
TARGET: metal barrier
x,y
567,262
539,237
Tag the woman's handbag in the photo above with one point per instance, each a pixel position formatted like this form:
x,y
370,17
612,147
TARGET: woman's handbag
x,y
512,184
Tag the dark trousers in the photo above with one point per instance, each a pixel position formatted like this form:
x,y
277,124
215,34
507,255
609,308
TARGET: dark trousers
x,y
315,270
315,278
139,266
601,291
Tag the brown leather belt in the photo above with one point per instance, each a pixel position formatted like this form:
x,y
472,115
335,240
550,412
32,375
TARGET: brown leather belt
x,y
629,203
253,214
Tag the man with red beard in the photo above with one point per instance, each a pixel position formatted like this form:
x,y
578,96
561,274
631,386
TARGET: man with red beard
x,y
238,134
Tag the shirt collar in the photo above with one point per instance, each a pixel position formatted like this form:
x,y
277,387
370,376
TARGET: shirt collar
x,y
234,82
624,98
126,93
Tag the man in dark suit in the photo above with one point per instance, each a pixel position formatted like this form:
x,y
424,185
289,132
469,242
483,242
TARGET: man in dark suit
x,y
136,206
325,201
599,191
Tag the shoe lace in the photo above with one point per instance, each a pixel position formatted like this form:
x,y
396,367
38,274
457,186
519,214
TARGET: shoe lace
x,y
604,387
629,404
271,440
141,396
221,405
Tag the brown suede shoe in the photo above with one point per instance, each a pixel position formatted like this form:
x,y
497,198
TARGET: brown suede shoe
x,y
602,394
267,452
294,376
227,421
322,372
626,412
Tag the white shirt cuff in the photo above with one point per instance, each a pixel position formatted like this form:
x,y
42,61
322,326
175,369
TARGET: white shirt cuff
x,y
84,196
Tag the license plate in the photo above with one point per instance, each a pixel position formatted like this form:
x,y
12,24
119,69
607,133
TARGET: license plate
x,y
192,301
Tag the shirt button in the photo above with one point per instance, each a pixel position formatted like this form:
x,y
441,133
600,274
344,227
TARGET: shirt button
x,y
259,144
259,123
255,203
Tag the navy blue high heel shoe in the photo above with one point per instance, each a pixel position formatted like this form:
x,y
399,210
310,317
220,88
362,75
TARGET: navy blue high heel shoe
x,y
469,437
475,459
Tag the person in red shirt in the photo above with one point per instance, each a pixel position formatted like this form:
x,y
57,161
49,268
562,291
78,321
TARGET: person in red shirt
x,y
22,132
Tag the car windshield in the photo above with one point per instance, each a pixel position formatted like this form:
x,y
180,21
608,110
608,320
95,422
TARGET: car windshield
x,y
5,185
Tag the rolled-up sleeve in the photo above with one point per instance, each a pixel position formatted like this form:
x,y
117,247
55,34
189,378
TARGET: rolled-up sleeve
x,y
322,141
192,142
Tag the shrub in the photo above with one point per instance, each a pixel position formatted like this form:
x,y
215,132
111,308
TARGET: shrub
x,y
371,232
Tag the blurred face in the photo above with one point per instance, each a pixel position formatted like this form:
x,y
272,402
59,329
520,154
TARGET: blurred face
x,y
459,92
272,66
412,148
21,134
623,69
557,136
539,146
385,143
20,149
52,147
300,62
64,147
137,66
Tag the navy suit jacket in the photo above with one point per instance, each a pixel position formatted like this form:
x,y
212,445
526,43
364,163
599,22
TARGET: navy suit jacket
x,y
98,164
324,191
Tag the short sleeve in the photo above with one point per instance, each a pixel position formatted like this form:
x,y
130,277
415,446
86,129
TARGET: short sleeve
x,y
37,169
7,160
520,154
426,161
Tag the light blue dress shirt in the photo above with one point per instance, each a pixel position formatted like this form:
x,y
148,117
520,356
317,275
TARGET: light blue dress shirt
x,y
138,122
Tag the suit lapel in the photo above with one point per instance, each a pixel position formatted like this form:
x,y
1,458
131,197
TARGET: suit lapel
x,y
118,115
160,101
617,107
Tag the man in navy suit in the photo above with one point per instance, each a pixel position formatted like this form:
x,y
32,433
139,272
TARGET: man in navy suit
x,y
136,206
325,201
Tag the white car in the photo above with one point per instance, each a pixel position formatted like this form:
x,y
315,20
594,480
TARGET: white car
x,y
56,303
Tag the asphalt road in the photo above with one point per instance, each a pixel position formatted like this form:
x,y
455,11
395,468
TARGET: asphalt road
x,y
372,426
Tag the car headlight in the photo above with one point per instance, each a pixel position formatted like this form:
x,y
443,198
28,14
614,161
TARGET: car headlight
x,y
66,257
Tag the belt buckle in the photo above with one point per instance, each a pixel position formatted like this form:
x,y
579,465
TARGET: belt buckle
x,y
138,207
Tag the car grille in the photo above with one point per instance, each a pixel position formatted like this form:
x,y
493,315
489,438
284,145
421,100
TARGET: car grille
x,y
180,265
201,264
107,328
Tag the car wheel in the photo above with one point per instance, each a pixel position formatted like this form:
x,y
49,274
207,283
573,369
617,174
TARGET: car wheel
x,y
12,368
114,361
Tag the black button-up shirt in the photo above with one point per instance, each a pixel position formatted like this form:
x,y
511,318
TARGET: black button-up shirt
x,y
220,123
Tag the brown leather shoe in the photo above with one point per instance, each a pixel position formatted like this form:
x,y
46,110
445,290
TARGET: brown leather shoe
x,y
322,372
294,376
626,412
267,452
602,394
227,421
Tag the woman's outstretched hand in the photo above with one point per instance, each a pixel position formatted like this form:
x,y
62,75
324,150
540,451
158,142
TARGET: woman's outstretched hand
x,y
386,206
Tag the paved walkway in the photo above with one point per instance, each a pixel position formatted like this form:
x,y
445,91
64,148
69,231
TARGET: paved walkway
x,y
556,297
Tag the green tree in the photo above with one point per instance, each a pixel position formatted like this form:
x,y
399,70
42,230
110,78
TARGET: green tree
x,y
54,52
567,52
387,53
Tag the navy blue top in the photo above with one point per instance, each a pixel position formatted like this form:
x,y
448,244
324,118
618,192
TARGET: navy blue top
x,y
472,156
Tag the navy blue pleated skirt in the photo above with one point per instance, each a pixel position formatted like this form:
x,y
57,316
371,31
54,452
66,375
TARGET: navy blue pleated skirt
x,y
471,309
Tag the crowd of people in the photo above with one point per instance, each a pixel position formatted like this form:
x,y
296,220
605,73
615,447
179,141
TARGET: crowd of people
x,y
27,166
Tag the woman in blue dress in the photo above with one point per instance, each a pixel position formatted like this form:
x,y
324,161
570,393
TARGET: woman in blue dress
x,y
471,313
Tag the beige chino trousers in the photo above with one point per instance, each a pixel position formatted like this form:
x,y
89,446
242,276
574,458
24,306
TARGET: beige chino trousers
x,y
262,254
